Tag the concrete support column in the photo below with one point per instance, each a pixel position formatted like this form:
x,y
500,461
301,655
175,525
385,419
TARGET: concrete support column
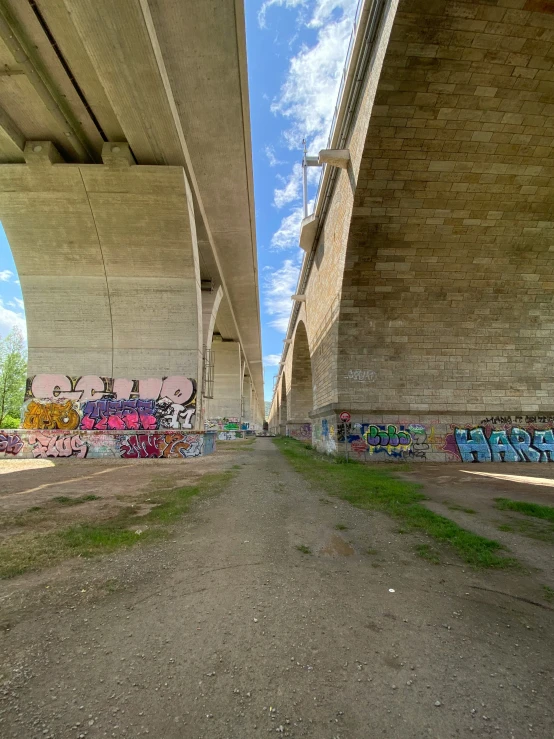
x,y
108,262
247,402
228,372
210,305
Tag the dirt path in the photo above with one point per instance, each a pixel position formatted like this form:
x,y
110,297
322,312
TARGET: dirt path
x,y
230,631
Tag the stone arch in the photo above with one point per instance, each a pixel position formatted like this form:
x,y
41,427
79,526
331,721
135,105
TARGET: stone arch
x,y
283,407
450,220
300,403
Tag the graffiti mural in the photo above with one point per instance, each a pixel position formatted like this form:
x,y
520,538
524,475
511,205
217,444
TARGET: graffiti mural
x,y
302,432
54,444
98,403
181,445
510,444
222,424
10,444
51,415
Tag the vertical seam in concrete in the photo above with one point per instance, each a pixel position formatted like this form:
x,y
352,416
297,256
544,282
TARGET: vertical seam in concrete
x,y
103,262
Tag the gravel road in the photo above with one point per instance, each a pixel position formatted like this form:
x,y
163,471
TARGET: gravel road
x,y
230,631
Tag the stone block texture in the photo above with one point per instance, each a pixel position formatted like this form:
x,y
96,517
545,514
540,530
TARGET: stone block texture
x,y
431,292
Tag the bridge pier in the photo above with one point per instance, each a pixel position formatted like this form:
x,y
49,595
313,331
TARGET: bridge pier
x,y
108,262
224,410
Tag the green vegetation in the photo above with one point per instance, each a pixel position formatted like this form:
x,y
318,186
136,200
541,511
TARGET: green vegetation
x,y
378,489
13,374
64,500
341,527
30,551
429,553
456,507
538,524
536,510
304,549
547,593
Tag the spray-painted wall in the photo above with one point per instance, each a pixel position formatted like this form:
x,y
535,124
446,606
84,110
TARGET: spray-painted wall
x,y
95,417
508,438
93,403
56,444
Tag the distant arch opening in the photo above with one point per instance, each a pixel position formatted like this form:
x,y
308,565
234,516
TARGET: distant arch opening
x,y
283,407
301,396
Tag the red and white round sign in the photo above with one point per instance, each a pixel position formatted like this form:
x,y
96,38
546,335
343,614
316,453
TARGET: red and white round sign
x,y
345,416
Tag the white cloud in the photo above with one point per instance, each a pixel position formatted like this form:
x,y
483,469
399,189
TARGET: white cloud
x,y
5,275
309,94
272,360
9,319
292,187
288,234
19,303
272,159
268,3
279,285
289,231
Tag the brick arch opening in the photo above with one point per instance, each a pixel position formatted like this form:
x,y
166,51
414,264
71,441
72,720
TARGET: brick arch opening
x,y
301,387
283,413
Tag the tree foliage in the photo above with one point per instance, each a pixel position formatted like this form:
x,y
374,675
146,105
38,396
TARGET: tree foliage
x,y
13,374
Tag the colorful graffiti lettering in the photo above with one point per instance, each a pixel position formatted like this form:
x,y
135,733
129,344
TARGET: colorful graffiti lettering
x,y
57,445
119,415
104,403
485,444
229,435
140,446
51,415
302,432
10,444
325,428
387,439
104,444
222,424
180,445
359,446
420,445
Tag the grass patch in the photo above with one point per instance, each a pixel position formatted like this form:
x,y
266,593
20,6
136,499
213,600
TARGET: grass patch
x,y
341,527
371,550
538,530
547,593
546,512
65,500
378,489
31,551
304,549
456,507
429,553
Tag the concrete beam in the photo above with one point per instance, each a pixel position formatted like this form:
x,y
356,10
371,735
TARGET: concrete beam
x,y
109,268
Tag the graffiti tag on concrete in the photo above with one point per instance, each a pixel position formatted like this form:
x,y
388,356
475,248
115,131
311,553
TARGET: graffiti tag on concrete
x,y
104,403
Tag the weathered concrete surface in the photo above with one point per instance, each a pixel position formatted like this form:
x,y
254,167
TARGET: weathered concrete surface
x,y
108,263
169,78
228,378
430,293
229,630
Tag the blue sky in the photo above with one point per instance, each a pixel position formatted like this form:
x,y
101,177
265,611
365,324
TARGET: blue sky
x,y
296,52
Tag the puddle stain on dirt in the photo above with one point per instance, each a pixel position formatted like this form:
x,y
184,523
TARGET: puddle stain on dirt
x,y
338,546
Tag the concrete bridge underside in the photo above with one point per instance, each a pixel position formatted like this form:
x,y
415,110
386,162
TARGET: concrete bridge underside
x,y
437,249
126,190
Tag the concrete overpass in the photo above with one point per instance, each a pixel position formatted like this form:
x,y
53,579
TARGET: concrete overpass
x,y
425,312
126,194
